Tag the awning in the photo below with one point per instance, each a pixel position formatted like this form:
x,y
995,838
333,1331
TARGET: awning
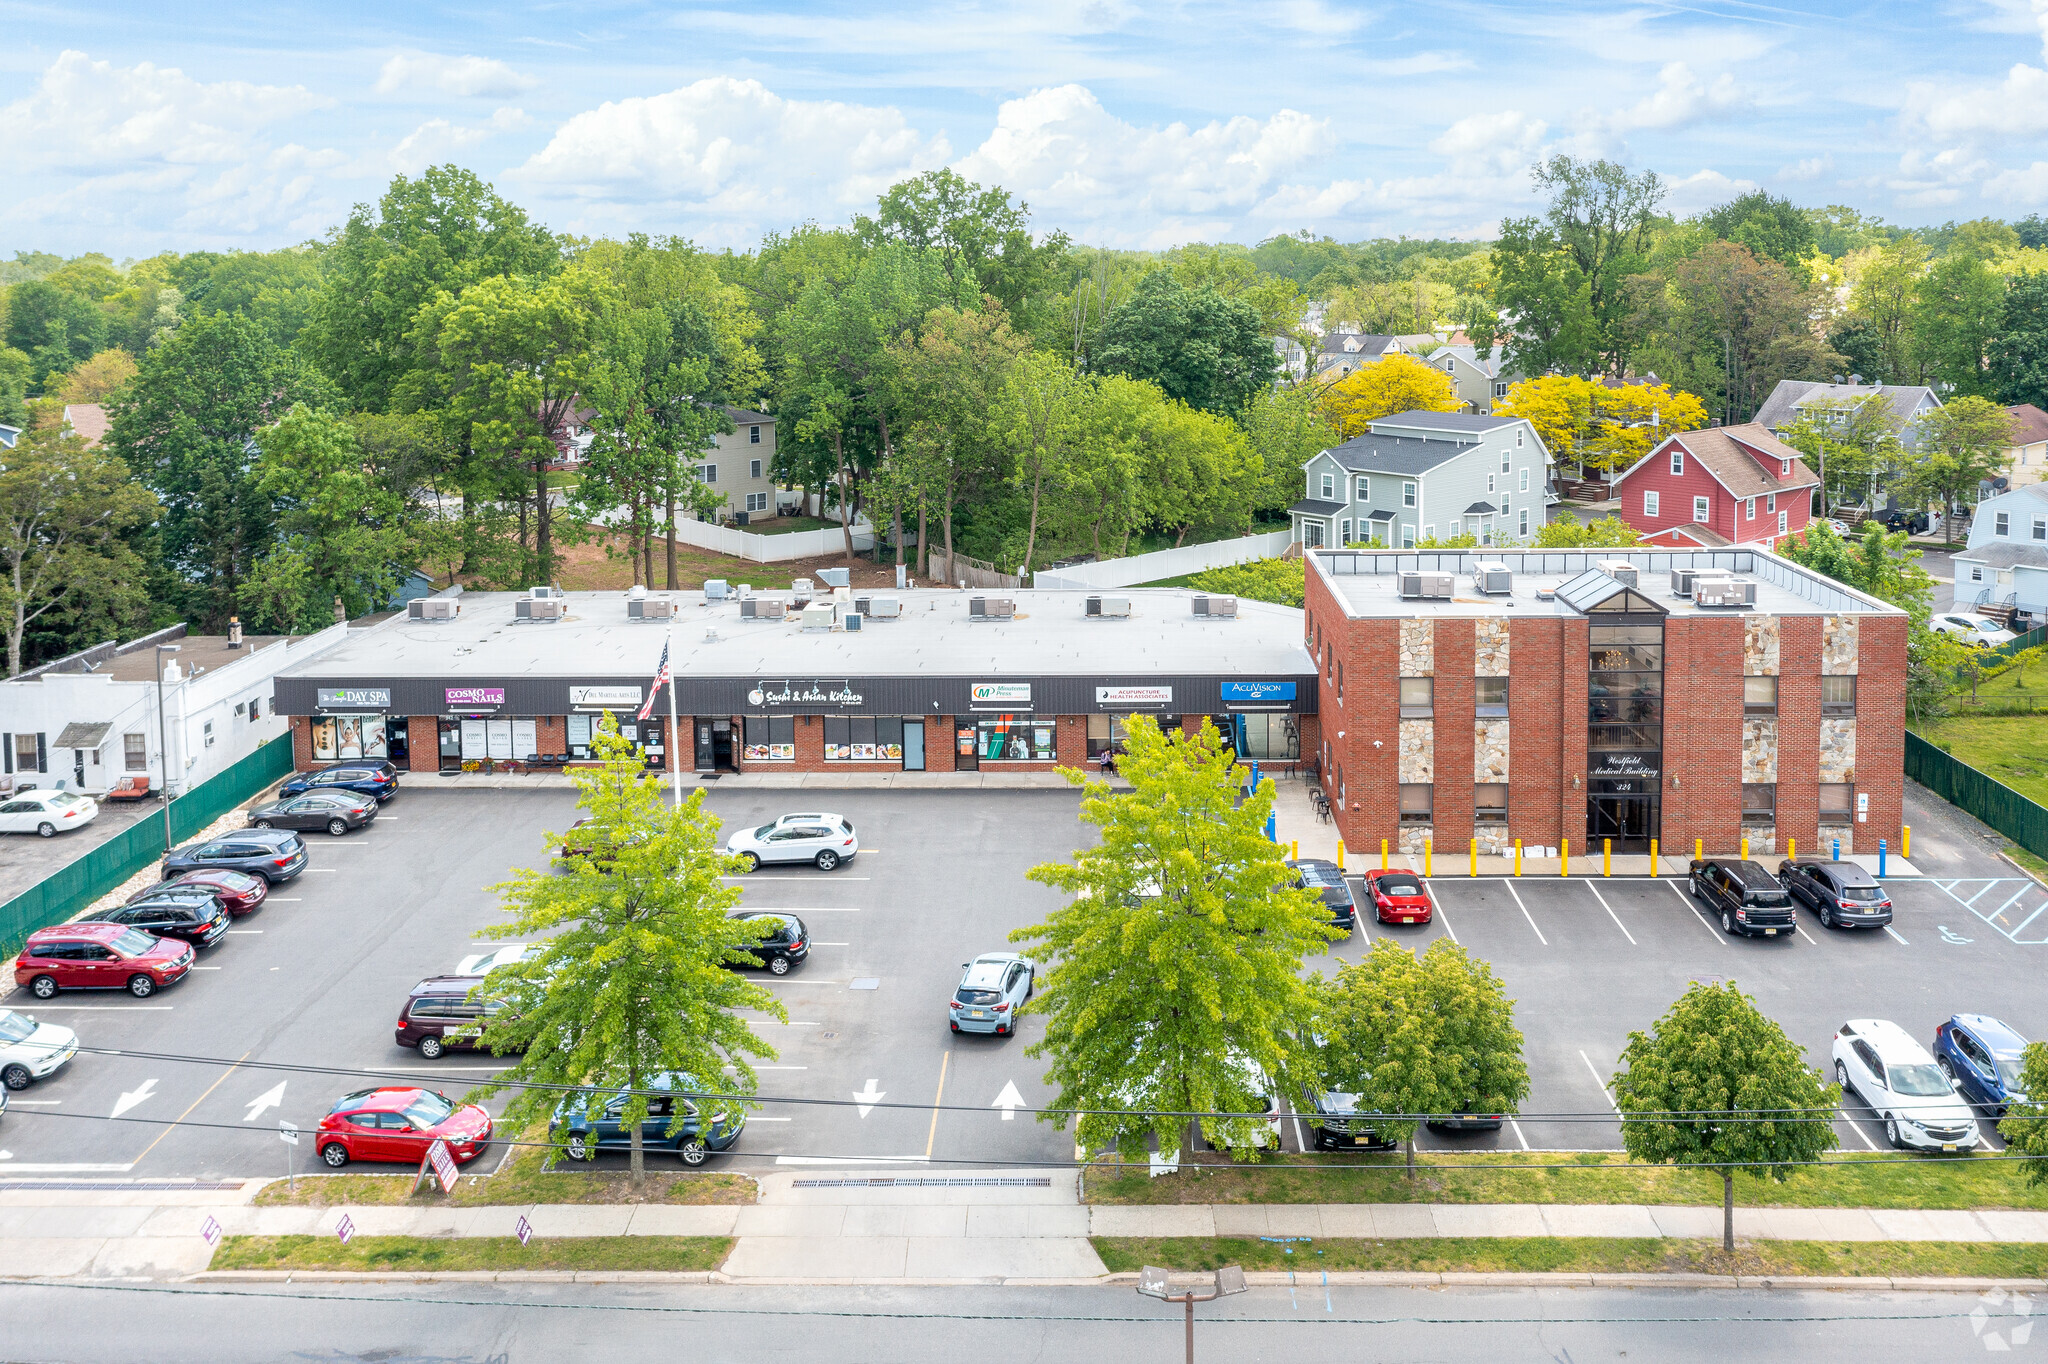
x,y
1310,506
1380,516
1482,509
80,735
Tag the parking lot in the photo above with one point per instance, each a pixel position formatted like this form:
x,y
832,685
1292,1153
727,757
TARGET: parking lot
x,y
316,978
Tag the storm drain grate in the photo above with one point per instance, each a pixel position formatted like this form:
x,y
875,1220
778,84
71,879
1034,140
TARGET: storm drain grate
x,y
889,1182
158,1185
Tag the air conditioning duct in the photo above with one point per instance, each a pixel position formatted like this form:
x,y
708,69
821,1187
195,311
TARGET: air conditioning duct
x,y
852,620
763,608
1621,570
716,589
1430,585
879,608
991,608
1494,578
834,577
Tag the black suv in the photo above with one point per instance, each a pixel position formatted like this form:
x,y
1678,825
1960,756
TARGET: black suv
x,y
783,945
1327,881
370,777
1335,1124
1746,896
440,1016
273,854
1841,893
190,914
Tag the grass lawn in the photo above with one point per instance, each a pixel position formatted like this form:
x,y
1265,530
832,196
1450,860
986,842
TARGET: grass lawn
x,y
1846,1181
789,525
472,1252
2037,865
2011,749
525,1179
1549,1254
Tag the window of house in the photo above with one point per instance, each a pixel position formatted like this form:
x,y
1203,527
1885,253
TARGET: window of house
x,y
1504,502
753,435
1344,532
1838,696
1649,504
769,739
1418,802
1759,696
708,472
1677,460
1364,488
1518,440
1429,532
1501,391
1329,487
757,502
1490,802
2041,528
1457,527
1782,519
1489,483
1507,458
1407,536
1699,509
1489,696
1340,681
753,468
1525,481
206,733
1837,799
1418,698
869,739
1407,494
256,710
1771,502
134,753
1976,574
1759,803
2001,524
1522,522
1271,737
1784,467
1749,510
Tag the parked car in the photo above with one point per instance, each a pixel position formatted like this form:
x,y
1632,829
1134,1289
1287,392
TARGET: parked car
x,y
1256,1127
1465,1120
439,1015
31,1051
1898,518
374,777
1842,894
239,891
826,840
1323,877
48,813
1982,1058
1901,1084
1981,631
783,944
398,1123
1336,1124
992,988
504,954
190,914
588,1121
335,811
581,841
1398,897
1745,895
82,956
276,855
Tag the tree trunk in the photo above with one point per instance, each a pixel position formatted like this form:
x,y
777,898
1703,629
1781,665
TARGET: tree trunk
x,y
668,534
898,536
1031,536
1410,1144
1124,549
1095,534
638,1158
543,543
845,492
1728,1210
924,555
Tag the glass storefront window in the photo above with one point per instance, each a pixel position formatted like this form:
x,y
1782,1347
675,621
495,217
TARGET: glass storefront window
x,y
770,739
337,738
863,739
1015,738
1274,738
1105,734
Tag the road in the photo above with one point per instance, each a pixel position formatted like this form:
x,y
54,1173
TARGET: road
x,y
485,1324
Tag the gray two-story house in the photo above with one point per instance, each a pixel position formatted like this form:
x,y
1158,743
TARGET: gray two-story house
x,y
1425,476
741,466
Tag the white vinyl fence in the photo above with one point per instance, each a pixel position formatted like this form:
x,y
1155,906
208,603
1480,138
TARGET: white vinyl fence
x,y
1165,563
772,549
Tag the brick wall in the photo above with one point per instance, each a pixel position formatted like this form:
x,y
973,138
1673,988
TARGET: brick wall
x,y
1798,730
1574,653
423,743
1366,657
302,742
1537,724
1881,727
1452,820
1703,732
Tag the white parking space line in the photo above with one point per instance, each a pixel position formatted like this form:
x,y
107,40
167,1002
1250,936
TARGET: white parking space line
x,y
1610,912
282,899
246,930
763,1118
816,909
1440,916
35,1103
743,876
781,1067
327,869
1800,931
206,968
1901,941
1693,912
1600,1082
1972,901
1857,1127
1526,914
778,1023
104,1008
1518,1134
831,944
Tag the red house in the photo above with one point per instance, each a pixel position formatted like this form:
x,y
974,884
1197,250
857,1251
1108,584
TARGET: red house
x,y
1726,485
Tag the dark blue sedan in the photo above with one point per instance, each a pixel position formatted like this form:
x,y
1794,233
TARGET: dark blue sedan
x,y
589,1121
1981,1057
371,777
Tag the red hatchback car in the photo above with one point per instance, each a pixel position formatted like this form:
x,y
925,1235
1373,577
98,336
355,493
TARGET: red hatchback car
x,y
1398,897
85,956
398,1123
238,890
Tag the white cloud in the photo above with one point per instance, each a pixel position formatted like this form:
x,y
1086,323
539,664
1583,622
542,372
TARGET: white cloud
x,y
2028,187
1702,189
1491,144
1681,98
430,72
1315,17
1806,168
2016,106
440,139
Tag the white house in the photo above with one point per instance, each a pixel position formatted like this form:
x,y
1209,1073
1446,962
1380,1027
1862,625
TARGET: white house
x,y
2007,557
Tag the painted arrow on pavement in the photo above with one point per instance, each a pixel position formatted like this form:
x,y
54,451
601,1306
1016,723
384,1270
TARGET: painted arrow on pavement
x,y
868,1098
269,1098
147,1090
1009,1101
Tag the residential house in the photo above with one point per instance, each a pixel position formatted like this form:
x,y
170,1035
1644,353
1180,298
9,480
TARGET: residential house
x,y
2007,554
1343,351
87,421
1480,383
1427,475
2028,459
741,466
9,435
1793,399
1725,485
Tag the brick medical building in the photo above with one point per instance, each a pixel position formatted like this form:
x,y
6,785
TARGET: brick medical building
x,y
1565,703
922,684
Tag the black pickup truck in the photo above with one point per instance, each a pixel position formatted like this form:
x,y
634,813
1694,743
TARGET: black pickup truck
x,y
1746,896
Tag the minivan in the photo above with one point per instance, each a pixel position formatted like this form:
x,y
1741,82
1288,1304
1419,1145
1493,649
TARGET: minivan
x,y
439,1016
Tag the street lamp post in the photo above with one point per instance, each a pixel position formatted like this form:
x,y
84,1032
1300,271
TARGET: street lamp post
x,y
1152,1282
163,738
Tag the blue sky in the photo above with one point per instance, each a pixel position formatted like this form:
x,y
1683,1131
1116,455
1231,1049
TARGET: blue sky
x,y
134,128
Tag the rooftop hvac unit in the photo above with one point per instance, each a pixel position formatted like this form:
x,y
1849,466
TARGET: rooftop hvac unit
x,y
991,608
1494,578
650,608
1683,579
432,608
879,608
817,617
1216,606
716,589
763,608
1736,592
1432,586
834,577
800,588
1109,606
537,608
1621,570
543,593
851,620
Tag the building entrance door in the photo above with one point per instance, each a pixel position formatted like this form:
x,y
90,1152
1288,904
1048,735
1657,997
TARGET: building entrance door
x,y
707,755
721,745
966,757
1630,820
913,745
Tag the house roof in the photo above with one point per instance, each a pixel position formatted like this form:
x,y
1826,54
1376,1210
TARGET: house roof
x,y
1735,456
2005,556
1381,515
1369,345
1310,506
1460,423
1690,533
1490,366
2030,424
1792,395
1481,508
1377,454
88,421
742,417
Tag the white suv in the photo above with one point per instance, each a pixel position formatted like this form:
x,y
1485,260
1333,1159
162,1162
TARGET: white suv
x,y
1900,1082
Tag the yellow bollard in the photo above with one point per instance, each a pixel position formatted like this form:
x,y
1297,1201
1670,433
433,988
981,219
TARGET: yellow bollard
x,y
1383,854
1697,855
1518,857
1607,857
1564,860
1426,842
1294,850
1475,857
1791,849
1653,859
1906,841
1340,854
1745,847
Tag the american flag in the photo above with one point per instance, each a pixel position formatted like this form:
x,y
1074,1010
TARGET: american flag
x,y
660,681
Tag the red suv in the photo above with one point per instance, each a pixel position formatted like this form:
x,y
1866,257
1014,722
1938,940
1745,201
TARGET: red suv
x,y
99,957
398,1123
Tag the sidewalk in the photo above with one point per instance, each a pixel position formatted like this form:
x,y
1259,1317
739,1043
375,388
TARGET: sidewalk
x,y
760,781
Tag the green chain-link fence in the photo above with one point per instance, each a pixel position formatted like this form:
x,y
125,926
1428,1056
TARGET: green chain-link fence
x,y
76,884
1963,786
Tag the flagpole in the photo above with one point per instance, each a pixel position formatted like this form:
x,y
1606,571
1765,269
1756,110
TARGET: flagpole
x,y
675,735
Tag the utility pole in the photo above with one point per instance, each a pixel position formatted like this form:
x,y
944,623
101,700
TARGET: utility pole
x,y
163,741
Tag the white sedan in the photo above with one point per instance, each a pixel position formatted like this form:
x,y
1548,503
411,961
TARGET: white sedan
x,y
1981,631
31,1051
46,812
822,839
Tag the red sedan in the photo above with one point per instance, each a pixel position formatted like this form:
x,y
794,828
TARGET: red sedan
x,y
398,1123
1398,897
238,890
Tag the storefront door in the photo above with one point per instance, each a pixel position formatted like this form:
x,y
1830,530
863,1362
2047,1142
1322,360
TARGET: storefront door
x,y
707,757
1629,820
721,745
451,745
965,756
913,745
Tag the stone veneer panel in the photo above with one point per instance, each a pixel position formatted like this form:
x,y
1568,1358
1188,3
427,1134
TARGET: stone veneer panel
x,y
1838,647
1494,840
1418,751
1490,648
1489,750
1759,751
1830,832
1418,648
1837,750
1413,836
1760,646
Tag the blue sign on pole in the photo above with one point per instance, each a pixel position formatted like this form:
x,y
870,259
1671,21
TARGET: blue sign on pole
x,y
1258,691
1838,851
1880,859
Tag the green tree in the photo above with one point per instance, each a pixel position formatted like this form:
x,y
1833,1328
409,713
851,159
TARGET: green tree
x,y
53,326
16,372
279,289
2019,353
1280,581
630,982
1196,470
1886,298
1287,428
1962,443
979,235
1716,1083
1877,561
1176,967
1201,348
1959,311
2025,1125
1852,445
1566,531
1430,1034
1043,405
66,511
186,426
1768,225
